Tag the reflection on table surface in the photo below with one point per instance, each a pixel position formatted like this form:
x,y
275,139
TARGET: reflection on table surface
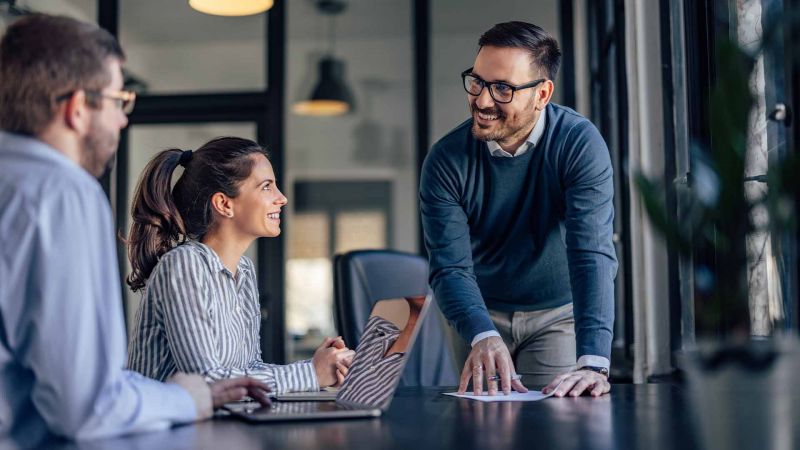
x,y
651,417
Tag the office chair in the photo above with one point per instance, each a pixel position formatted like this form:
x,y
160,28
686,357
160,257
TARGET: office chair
x,y
363,277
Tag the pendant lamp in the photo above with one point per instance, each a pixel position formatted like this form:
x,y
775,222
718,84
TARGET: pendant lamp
x,y
331,95
231,7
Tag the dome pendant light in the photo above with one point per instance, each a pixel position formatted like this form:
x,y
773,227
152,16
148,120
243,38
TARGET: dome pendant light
x,y
231,7
331,95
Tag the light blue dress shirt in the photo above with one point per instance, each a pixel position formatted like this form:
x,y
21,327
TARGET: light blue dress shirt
x,y
62,338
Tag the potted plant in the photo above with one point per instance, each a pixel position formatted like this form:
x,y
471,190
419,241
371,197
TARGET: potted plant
x,y
740,386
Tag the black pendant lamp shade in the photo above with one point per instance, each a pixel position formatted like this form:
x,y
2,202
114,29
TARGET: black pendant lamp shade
x,y
331,96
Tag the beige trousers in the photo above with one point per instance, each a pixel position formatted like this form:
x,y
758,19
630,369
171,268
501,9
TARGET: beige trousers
x,y
541,343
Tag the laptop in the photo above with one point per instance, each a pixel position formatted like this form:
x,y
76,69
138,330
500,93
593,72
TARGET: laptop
x,y
368,388
325,395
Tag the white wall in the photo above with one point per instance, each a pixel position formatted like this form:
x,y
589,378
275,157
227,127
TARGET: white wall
x,y
205,66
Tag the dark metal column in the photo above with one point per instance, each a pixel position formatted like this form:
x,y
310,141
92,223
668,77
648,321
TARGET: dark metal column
x,y
108,18
421,23
271,277
566,24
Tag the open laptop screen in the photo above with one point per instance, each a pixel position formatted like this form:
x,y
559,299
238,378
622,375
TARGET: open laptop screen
x,y
382,352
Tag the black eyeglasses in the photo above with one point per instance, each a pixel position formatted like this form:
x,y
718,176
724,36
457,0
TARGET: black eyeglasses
x,y
499,91
125,100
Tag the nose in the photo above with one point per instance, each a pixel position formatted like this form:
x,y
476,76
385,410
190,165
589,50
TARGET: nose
x,y
281,200
484,99
124,121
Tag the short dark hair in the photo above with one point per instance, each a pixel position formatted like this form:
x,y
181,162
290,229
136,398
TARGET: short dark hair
x,y
44,56
545,54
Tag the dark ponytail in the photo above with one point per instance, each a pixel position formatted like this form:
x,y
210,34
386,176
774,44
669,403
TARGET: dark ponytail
x,y
163,219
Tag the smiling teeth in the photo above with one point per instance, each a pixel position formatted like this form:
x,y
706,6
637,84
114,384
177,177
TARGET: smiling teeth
x,y
486,116
274,215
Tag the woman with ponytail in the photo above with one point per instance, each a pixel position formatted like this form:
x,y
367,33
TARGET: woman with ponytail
x,y
200,311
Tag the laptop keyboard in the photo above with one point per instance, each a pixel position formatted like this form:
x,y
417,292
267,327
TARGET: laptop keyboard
x,y
303,407
315,394
283,407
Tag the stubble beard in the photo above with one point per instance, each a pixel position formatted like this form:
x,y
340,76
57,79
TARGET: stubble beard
x,y
485,135
502,128
99,148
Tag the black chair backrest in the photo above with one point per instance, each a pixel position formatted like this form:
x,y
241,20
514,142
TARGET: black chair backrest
x,y
361,278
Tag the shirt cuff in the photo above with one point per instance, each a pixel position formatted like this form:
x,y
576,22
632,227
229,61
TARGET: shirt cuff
x,y
164,400
296,377
594,361
184,402
481,336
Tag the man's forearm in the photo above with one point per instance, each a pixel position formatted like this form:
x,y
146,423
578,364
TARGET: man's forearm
x,y
593,300
463,307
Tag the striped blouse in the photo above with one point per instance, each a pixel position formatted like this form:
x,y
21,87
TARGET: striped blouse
x,y
196,317
373,376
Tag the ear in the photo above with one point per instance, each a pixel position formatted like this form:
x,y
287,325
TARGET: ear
x,y
544,94
222,204
76,113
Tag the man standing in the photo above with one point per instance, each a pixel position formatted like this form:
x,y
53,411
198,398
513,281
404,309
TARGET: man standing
x,y
62,339
517,210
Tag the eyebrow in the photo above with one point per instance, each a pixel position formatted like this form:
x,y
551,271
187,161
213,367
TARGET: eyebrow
x,y
268,180
491,81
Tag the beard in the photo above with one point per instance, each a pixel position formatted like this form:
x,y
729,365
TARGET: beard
x,y
99,147
487,134
503,128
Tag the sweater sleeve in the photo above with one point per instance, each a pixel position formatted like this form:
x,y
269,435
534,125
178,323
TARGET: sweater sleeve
x,y
587,179
447,239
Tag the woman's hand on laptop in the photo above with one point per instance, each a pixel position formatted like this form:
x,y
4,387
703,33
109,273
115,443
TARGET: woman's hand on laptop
x,y
326,359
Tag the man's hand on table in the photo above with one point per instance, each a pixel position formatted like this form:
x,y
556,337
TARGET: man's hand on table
x,y
578,382
489,357
208,397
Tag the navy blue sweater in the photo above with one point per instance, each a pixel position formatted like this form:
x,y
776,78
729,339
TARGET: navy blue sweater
x,y
523,233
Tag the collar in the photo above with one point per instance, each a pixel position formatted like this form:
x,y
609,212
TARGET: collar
x,y
533,138
214,261
31,146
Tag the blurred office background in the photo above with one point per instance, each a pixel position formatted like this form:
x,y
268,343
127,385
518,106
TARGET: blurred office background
x,y
640,70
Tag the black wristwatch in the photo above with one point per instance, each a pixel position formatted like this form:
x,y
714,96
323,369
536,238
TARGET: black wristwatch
x,y
601,370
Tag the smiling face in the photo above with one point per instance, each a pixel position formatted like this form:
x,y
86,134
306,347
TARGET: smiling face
x,y
504,122
258,205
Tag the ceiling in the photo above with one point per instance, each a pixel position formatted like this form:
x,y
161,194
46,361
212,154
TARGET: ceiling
x,y
173,21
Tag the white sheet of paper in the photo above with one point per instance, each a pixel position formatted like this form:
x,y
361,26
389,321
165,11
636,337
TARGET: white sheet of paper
x,y
530,396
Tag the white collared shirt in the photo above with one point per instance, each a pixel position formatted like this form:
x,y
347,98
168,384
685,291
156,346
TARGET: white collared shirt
x,y
530,141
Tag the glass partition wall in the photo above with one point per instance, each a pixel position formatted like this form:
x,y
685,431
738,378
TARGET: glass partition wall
x,y
351,177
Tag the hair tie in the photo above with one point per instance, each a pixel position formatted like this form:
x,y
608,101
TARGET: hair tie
x,y
186,156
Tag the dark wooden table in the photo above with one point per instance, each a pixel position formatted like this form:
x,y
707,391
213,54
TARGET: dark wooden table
x,y
650,417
